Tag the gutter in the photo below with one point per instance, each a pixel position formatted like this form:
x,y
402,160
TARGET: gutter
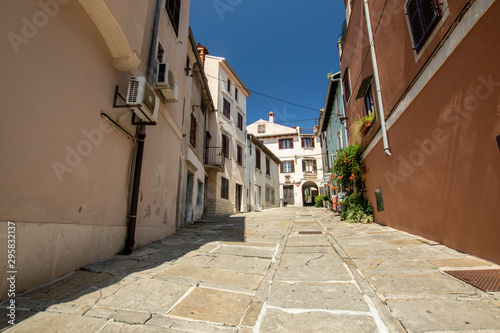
x,y
376,77
141,137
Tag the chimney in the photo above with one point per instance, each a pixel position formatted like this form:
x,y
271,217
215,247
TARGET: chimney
x,y
203,51
271,117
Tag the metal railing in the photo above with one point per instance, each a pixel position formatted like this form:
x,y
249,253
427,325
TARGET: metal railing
x,y
214,156
307,131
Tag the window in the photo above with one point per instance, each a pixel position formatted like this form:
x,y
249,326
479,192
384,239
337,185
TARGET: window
x,y
347,85
369,102
422,16
240,121
225,145
239,155
199,200
268,166
174,12
257,158
229,86
287,167
286,143
192,134
226,110
308,142
309,166
224,188
236,94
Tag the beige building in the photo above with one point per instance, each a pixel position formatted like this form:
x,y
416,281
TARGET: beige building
x,y
299,150
68,145
263,176
225,138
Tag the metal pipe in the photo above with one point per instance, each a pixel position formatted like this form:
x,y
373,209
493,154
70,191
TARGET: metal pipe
x,y
141,137
377,80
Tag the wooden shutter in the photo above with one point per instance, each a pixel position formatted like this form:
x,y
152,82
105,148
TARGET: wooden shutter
x,y
312,141
303,165
291,143
302,141
192,134
292,163
282,168
314,165
281,143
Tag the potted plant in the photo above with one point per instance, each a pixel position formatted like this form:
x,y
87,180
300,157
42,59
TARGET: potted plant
x,y
367,121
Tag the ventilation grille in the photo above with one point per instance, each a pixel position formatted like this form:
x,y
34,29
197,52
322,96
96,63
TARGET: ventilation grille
x,y
486,280
133,92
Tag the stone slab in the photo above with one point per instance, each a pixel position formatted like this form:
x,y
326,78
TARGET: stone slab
x,y
240,264
307,240
214,306
261,252
460,262
57,322
317,296
418,284
66,287
395,266
127,328
313,267
252,314
420,315
242,280
149,295
280,321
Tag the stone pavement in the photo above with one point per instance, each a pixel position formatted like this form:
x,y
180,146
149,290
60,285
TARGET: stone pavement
x,y
281,270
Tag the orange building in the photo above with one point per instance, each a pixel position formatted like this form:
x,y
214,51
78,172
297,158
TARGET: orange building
x,y
432,79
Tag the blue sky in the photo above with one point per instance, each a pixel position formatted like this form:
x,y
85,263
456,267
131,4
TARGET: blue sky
x,y
279,48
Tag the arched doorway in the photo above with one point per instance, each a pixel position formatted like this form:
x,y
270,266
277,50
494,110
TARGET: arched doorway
x,y
309,193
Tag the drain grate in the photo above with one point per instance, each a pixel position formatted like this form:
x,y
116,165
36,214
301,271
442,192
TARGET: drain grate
x,y
485,279
310,233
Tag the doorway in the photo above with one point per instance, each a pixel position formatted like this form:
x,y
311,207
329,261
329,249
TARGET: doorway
x,y
288,197
238,197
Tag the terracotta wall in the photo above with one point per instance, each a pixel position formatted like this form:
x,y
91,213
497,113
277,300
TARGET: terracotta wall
x,y
443,179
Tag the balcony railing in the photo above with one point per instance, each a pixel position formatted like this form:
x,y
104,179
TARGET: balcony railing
x,y
214,157
307,131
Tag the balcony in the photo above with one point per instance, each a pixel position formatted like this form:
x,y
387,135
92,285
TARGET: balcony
x,y
214,159
307,131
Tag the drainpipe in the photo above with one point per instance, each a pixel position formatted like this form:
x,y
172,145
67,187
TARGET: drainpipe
x,y
246,171
377,80
141,137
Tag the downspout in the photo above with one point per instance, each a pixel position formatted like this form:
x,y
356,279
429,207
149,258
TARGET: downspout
x,y
141,137
377,80
247,178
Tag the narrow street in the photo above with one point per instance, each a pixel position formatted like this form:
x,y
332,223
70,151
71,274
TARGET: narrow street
x,y
280,270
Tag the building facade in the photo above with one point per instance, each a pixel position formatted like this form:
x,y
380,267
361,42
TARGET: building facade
x,y
332,131
263,176
299,150
225,138
432,80
72,178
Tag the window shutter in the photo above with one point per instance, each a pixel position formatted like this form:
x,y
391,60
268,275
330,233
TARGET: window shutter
x,y
312,141
281,144
417,28
293,165
291,143
314,165
302,141
282,167
303,165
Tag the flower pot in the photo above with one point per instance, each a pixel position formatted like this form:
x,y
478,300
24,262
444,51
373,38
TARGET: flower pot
x,y
365,128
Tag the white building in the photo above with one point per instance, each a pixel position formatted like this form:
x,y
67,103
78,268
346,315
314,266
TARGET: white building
x,y
299,150
263,176
225,138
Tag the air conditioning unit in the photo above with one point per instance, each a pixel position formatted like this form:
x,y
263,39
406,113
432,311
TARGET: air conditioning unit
x,y
142,99
166,83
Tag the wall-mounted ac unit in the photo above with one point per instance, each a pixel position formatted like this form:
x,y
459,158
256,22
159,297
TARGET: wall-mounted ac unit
x,y
166,83
142,99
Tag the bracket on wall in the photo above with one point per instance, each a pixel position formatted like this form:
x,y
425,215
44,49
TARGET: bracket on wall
x,y
117,94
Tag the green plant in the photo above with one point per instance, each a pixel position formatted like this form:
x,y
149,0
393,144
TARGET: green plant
x,y
369,118
347,168
318,201
357,209
356,130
